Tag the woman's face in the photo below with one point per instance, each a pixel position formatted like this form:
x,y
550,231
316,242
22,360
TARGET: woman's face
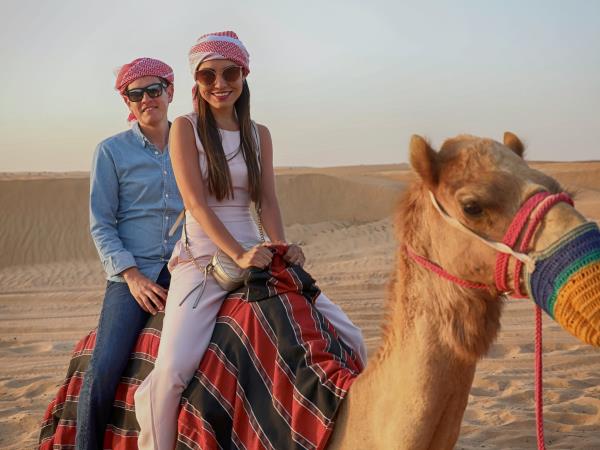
x,y
220,94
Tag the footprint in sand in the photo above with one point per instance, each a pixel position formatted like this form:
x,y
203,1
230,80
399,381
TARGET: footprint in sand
x,y
504,351
30,349
28,387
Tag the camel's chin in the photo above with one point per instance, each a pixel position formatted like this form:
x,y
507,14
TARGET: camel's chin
x,y
566,282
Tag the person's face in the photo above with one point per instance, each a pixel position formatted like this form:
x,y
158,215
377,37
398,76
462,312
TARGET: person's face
x,y
150,111
223,92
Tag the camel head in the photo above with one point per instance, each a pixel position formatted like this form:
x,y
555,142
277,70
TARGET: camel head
x,y
496,222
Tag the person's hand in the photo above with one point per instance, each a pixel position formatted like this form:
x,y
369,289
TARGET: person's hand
x,y
258,256
295,255
149,295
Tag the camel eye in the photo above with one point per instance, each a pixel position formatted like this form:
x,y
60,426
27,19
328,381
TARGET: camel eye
x,y
472,209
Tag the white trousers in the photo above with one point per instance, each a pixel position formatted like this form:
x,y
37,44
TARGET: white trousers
x,y
185,337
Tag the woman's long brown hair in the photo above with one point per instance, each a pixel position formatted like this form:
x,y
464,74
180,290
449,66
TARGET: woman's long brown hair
x,y
219,177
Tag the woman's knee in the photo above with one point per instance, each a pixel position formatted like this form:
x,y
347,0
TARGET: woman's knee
x,y
173,373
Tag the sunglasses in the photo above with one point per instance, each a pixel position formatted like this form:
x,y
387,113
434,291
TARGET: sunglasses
x,y
208,77
153,91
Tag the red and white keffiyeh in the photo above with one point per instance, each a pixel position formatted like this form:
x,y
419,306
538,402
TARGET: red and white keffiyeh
x,y
138,68
220,45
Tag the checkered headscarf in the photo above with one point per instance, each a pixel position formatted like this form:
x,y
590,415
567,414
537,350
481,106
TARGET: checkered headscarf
x,y
221,45
138,68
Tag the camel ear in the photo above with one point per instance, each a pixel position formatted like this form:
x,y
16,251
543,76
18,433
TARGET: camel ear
x,y
514,143
424,160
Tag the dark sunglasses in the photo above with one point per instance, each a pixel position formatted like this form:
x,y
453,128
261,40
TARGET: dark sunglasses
x,y
208,77
153,91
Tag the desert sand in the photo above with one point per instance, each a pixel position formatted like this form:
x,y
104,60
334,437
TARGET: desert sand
x,y
51,287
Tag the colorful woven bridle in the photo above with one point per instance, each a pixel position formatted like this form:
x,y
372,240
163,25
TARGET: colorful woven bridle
x,y
547,278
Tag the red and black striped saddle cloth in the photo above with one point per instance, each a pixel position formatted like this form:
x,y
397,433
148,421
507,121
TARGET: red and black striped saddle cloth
x,y
273,376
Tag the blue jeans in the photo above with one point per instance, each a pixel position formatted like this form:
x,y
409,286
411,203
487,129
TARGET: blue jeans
x,y
121,321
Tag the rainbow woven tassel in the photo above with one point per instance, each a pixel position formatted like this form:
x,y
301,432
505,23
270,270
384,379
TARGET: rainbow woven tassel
x,y
566,282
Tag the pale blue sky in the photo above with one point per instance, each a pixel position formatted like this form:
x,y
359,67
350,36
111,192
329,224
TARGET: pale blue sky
x,y
337,82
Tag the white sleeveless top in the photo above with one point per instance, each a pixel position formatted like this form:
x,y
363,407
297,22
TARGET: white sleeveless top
x,y
237,165
233,212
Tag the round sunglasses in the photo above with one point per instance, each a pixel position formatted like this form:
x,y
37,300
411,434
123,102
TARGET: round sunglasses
x,y
208,77
153,90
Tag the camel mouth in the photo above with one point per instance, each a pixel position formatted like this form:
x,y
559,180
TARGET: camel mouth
x,y
566,282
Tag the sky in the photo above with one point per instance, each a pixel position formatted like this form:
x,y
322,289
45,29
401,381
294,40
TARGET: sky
x,y
336,82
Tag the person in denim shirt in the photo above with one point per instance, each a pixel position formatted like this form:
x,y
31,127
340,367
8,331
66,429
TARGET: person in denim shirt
x,y
133,203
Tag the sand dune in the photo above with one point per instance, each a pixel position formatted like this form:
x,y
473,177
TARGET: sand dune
x,y
45,218
311,198
51,289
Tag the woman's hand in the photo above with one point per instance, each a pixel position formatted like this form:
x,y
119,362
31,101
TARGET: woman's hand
x,y
258,256
295,255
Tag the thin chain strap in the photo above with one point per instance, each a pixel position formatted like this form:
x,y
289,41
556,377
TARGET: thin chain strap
x,y
206,270
261,231
189,252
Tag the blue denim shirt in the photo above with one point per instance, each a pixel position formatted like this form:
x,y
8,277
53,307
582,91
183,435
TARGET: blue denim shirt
x,y
134,201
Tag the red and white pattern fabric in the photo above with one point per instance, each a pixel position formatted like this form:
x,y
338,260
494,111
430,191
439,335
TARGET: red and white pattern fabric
x,y
220,45
142,67
273,377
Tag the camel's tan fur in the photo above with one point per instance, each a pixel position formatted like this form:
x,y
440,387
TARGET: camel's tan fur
x,y
415,389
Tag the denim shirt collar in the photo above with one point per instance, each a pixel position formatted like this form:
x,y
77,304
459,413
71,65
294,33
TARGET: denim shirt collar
x,y
139,135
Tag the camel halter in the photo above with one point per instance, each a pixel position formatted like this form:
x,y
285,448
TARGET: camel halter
x,y
530,216
541,202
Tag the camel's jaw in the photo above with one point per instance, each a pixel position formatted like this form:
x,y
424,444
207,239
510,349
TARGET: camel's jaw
x,y
566,282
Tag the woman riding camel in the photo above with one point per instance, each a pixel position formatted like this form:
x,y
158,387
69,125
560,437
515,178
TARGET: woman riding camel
x,y
222,162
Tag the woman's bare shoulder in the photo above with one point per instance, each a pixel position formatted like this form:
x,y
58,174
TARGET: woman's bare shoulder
x,y
182,123
182,128
263,132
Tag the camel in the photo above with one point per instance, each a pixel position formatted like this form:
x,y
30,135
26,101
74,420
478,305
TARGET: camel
x,y
414,390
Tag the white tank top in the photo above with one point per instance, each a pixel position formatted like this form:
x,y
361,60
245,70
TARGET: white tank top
x,y
236,162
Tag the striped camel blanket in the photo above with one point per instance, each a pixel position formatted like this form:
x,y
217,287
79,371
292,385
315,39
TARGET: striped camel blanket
x,y
273,376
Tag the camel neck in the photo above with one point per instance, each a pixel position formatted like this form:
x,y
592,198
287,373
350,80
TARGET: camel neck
x,y
414,390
